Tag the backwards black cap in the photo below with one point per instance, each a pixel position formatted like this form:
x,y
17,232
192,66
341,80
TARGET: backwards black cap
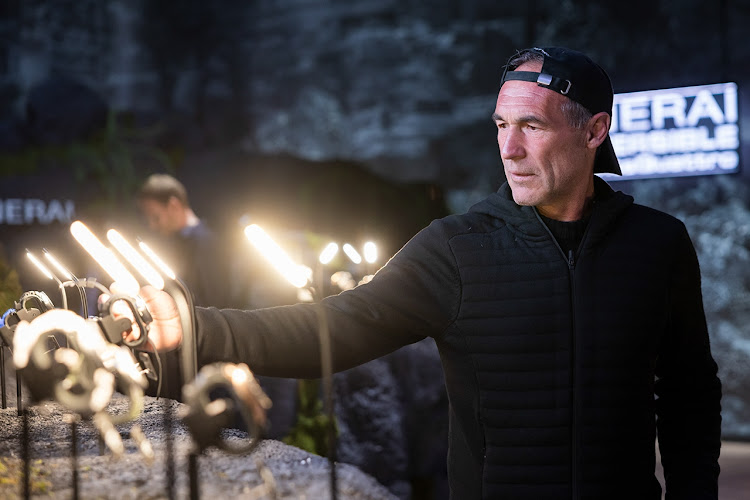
x,y
574,75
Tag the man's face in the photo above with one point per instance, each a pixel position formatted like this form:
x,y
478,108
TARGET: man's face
x,y
546,160
161,217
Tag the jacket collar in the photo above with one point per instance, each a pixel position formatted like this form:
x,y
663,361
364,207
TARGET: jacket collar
x,y
608,206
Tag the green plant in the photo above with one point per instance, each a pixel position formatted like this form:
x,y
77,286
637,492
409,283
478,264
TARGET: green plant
x,y
10,286
310,432
116,161
109,165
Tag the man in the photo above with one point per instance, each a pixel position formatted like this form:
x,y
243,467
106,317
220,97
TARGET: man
x,y
189,245
569,320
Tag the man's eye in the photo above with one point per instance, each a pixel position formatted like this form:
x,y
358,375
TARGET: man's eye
x,y
531,127
501,125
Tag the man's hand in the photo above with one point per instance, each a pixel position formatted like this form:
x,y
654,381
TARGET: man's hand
x,y
165,331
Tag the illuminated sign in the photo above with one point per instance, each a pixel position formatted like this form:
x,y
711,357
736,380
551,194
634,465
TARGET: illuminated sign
x,y
676,132
26,211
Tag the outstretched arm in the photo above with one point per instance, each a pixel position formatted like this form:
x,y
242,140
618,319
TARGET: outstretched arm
x,y
414,296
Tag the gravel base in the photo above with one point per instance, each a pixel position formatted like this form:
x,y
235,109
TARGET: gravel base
x,y
272,470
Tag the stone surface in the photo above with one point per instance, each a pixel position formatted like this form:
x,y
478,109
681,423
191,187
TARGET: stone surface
x,y
294,473
391,413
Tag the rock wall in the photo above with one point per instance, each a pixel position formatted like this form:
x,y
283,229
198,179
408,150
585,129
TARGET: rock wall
x,y
717,216
402,87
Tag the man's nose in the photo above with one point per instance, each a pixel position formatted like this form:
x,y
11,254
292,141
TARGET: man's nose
x,y
510,142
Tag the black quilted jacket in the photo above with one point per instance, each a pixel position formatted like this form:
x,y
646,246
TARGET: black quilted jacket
x,y
559,368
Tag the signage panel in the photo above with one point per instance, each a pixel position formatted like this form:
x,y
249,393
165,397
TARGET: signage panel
x,y
29,211
676,132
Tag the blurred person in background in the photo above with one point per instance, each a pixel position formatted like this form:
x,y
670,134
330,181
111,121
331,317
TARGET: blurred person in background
x,y
188,245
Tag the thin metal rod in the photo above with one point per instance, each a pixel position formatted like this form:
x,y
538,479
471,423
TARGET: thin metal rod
x,y
74,453
327,378
184,302
169,453
84,299
19,401
62,293
2,373
193,473
26,453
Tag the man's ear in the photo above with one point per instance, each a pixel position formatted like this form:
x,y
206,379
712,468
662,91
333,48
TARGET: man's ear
x,y
598,128
174,203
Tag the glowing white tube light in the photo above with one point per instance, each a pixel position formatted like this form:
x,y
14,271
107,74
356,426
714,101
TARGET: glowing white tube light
x,y
239,376
295,274
135,259
49,275
39,265
352,253
371,252
163,267
56,264
104,257
328,253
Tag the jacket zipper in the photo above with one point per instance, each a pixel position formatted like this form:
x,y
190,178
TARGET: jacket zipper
x,y
573,382
571,261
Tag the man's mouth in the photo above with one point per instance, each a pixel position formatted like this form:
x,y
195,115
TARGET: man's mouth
x,y
520,176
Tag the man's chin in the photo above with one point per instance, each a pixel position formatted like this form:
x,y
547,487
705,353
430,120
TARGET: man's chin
x,y
523,197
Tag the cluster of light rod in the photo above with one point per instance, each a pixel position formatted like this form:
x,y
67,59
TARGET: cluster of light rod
x,y
371,252
104,257
46,272
328,253
297,275
49,274
163,267
352,253
135,259
56,264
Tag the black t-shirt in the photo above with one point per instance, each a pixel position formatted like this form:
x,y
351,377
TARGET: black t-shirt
x,y
567,233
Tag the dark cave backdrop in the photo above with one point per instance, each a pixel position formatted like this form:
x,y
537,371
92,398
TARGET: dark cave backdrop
x,y
358,119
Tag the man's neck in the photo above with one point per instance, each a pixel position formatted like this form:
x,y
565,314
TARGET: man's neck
x,y
568,213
